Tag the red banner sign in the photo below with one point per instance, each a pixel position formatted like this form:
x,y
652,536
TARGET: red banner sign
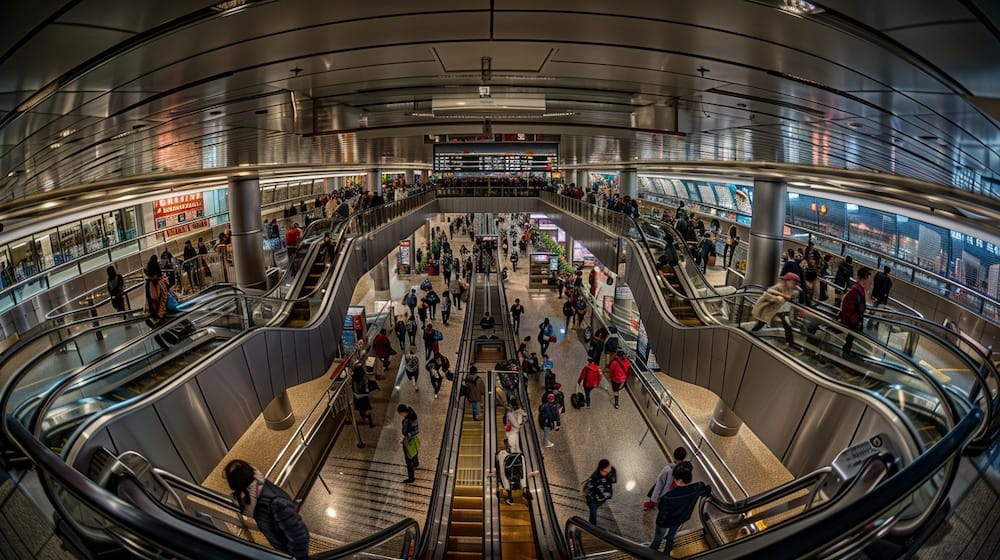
x,y
180,214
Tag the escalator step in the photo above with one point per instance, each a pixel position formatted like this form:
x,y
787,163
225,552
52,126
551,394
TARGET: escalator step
x,y
465,544
467,528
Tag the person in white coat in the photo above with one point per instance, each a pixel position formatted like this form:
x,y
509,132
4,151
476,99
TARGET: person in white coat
x,y
516,417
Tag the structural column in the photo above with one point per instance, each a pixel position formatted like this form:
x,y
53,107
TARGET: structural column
x,y
374,181
247,233
766,232
582,179
381,278
408,176
629,183
569,248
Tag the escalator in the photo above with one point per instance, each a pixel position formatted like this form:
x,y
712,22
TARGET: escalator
x,y
301,313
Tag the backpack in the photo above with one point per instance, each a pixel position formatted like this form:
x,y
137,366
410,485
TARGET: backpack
x,y
611,345
438,335
411,300
581,305
432,298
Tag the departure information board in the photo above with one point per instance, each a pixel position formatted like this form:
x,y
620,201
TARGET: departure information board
x,y
496,158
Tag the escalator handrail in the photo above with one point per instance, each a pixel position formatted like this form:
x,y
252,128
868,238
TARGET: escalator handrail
x,y
359,547
538,459
618,542
124,514
825,530
25,369
780,491
54,316
449,453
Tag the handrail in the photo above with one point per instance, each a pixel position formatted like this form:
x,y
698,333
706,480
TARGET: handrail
x,y
757,500
618,542
197,542
647,381
53,316
359,548
845,243
449,439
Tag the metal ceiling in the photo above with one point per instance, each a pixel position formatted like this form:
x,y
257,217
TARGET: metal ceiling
x,y
93,90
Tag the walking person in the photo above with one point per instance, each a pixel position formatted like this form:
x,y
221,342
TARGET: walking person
x,y
676,506
422,311
411,367
545,335
618,371
411,329
277,516
730,248
445,307
157,293
516,416
432,303
568,312
590,377
411,300
600,487
361,387
437,369
852,307
770,303
475,388
548,418
516,311
410,440
430,341
400,329
382,347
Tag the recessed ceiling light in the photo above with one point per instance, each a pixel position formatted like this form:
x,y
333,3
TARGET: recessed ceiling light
x,y
67,132
55,145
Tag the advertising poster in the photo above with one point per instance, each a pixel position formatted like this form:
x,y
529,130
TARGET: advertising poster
x,y
177,215
403,260
355,325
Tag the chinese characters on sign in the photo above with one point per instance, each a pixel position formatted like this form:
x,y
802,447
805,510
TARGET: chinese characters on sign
x,y
180,214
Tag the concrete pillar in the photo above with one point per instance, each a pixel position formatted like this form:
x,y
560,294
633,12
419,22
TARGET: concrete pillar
x,y
582,178
373,181
569,248
766,232
425,175
278,414
381,278
408,176
630,183
247,233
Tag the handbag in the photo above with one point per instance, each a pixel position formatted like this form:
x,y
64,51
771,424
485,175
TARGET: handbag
x,y
411,446
507,427
438,335
552,338
172,305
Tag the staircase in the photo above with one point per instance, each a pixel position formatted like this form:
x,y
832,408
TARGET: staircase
x,y
300,309
681,309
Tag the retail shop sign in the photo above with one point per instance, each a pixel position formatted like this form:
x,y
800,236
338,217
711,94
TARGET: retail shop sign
x,y
403,260
180,214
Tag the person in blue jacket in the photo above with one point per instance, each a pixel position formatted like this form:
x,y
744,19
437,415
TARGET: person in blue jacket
x,y
676,506
276,514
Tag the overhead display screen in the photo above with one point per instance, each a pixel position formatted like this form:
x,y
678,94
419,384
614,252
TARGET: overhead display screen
x,y
496,158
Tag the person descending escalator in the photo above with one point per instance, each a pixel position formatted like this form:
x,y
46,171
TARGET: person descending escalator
x,y
676,506
852,306
515,418
157,293
665,480
510,465
361,387
769,305
116,289
277,516
474,390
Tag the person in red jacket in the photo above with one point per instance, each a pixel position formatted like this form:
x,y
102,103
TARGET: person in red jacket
x,y
590,377
382,347
292,239
618,370
852,306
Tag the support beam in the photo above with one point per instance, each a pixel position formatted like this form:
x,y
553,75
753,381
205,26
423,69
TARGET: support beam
x,y
247,232
766,232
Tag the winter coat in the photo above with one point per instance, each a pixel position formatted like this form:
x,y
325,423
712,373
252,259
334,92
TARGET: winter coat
x,y
590,376
770,302
677,505
852,306
476,388
618,369
277,518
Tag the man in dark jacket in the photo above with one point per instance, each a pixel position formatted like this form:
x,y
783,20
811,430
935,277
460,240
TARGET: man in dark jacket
x,y
274,511
600,487
845,270
676,506
881,286
852,307
475,390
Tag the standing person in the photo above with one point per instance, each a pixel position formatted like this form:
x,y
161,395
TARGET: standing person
x,y
595,348
157,293
545,335
116,289
852,307
730,249
769,304
676,506
600,487
665,480
881,286
475,389
274,511
411,366
516,311
361,387
791,265
618,370
548,418
292,239
487,323
516,416
445,307
382,347
513,261
580,311
590,377
191,265
273,230
410,440
568,311
411,329
400,329
460,294
845,271
705,250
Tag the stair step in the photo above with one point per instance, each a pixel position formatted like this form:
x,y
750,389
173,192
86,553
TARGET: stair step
x,y
464,490
465,544
467,529
468,502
